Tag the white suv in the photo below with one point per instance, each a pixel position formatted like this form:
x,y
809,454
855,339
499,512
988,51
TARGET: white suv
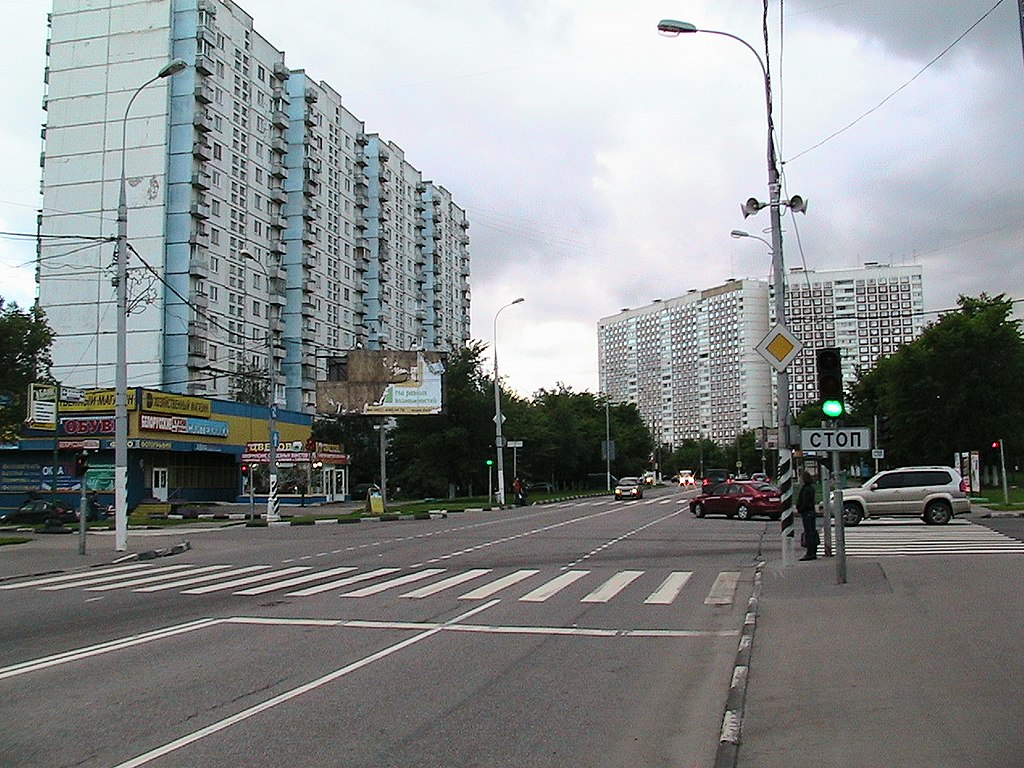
x,y
935,494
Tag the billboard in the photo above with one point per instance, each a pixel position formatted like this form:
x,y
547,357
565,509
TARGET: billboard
x,y
384,383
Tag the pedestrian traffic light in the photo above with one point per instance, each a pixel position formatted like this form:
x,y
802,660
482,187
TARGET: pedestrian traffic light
x,y
81,465
830,382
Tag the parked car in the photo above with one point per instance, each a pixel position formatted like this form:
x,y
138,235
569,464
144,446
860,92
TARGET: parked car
x,y
713,477
39,511
742,499
935,494
629,488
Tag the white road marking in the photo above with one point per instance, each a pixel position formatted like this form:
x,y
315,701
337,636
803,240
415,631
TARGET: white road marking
x,y
95,650
244,581
556,585
612,587
158,577
72,576
375,589
201,579
669,589
723,589
342,582
86,581
482,593
451,581
288,583
294,693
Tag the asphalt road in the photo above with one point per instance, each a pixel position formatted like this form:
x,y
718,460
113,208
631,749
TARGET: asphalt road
x,y
593,633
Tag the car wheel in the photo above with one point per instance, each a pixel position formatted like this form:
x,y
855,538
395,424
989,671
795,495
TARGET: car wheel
x,y
938,513
852,514
743,512
698,510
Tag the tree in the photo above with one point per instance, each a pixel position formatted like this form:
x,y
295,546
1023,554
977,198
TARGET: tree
x,y
956,388
251,384
25,341
436,455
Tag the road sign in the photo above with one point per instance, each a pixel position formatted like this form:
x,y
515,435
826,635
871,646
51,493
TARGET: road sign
x,y
850,439
514,443
878,453
779,347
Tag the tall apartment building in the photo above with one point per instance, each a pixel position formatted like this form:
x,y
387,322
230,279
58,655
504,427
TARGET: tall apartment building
x,y
866,312
690,365
268,229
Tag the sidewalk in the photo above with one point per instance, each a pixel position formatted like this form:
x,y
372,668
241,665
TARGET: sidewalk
x,y
912,662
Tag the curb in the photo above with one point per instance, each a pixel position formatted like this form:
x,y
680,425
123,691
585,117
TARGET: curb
x,y
732,721
152,554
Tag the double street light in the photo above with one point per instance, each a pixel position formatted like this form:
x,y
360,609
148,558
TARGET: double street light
x,y
499,441
672,28
173,67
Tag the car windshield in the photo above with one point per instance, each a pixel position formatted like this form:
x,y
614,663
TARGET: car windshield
x,y
629,481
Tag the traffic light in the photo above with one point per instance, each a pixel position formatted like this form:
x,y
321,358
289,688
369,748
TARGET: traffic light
x,y
830,382
995,444
884,435
245,470
81,465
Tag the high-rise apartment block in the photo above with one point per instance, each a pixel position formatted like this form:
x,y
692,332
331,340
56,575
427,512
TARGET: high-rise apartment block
x,y
268,229
690,365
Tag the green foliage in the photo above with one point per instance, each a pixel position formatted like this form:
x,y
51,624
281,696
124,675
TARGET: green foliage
x,y
251,385
956,388
25,340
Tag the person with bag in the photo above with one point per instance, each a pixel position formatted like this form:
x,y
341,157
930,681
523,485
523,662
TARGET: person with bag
x,y
805,505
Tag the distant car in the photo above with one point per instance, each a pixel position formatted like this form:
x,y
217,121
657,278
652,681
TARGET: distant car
x,y
540,487
760,477
743,499
359,491
686,477
713,477
935,494
629,488
39,511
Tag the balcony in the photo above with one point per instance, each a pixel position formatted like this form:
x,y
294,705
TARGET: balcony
x,y
200,210
277,246
204,64
198,267
278,171
278,195
310,96
201,181
308,237
281,72
204,92
279,146
199,300
279,119
278,222
202,151
362,139
200,239
202,121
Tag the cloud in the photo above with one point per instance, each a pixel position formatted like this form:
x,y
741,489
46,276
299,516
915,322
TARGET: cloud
x,y
602,165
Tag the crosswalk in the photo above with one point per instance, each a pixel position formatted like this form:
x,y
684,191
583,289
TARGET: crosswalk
x,y
893,537
525,585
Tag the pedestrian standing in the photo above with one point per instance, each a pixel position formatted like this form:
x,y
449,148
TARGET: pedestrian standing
x,y
805,505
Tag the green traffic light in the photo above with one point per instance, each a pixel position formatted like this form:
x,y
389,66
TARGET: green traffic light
x,y
490,462
832,408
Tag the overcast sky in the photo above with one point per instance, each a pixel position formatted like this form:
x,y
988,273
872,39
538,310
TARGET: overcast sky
x,y
603,165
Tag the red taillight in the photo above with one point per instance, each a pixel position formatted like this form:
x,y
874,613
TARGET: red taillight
x,y
965,485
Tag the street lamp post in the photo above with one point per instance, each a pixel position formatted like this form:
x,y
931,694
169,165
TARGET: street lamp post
x,y
272,504
499,441
121,287
672,28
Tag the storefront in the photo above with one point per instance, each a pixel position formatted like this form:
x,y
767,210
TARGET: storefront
x,y
181,449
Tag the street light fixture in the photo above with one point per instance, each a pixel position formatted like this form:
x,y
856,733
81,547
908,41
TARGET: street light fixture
x,y
499,441
672,28
736,234
272,505
173,67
